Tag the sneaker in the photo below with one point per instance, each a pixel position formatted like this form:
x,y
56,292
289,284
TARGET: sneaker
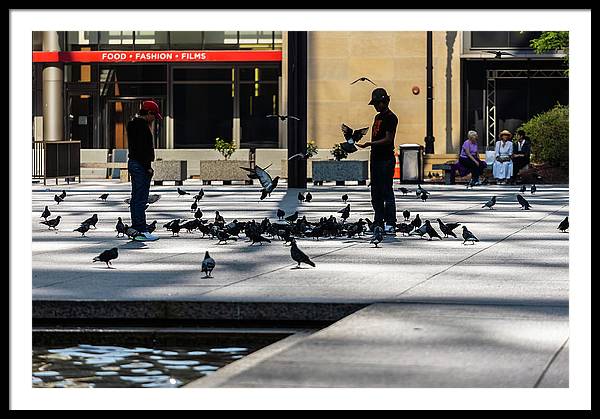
x,y
145,237
389,229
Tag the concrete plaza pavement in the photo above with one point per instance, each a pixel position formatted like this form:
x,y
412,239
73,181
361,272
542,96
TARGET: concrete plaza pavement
x,y
495,311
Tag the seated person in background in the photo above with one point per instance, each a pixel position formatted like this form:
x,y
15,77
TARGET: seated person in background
x,y
468,160
503,166
521,152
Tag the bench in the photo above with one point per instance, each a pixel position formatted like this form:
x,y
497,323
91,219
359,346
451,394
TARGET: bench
x,y
124,173
449,171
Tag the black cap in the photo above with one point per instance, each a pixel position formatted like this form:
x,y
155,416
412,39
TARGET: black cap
x,y
378,95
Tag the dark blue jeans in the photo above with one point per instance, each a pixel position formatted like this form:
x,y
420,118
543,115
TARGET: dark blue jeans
x,y
140,188
382,191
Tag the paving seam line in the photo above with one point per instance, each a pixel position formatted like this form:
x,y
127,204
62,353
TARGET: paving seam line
x,y
539,380
479,251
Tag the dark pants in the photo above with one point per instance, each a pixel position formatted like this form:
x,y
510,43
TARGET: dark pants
x,y
518,164
475,169
382,191
140,188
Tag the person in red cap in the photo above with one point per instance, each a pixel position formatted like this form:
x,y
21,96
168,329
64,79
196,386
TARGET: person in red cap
x,y
383,161
141,155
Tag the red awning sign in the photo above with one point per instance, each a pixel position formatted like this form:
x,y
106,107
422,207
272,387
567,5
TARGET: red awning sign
x,y
152,56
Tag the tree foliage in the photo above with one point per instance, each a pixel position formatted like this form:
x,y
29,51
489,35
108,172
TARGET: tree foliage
x,y
549,134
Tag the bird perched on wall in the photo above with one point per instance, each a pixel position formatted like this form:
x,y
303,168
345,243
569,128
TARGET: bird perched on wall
x,y
377,236
280,213
301,197
46,213
564,225
84,228
345,212
181,192
208,264
299,256
523,189
352,137
499,54
107,256
447,228
92,221
533,189
308,197
345,198
283,117
406,215
268,183
58,199
431,231
403,190
362,79
523,202
468,236
490,204
120,227
103,196
52,223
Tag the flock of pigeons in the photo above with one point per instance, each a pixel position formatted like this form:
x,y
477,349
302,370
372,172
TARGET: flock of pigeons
x,y
287,228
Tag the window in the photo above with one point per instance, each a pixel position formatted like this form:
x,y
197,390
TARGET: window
x,y
495,39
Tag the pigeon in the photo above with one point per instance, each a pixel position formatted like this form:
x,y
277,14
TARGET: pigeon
x,y
403,190
120,227
424,195
352,137
533,189
46,213
151,227
194,206
283,117
431,231
420,190
345,212
523,189
298,255
280,214
63,194
499,54
219,218
84,228
523,202
301,197
103,196
564,225
468,236
181,192
345,198
107,256
406,215
362,79
489,204
91,221
473,182
208,264
199,195
292,218
175,228
416,222
52,223
257,238
198,214
268,183
308,197
447,228
404,228
377,236
302,156
421,231
224,236
58,199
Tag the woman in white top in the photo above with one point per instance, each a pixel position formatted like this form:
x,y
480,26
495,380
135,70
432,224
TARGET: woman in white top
x,y
503,165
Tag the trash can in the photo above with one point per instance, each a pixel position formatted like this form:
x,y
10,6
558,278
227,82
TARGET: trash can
x,y
411,163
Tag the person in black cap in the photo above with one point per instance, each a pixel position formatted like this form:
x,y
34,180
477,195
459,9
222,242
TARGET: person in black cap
x,y
141,155
383,161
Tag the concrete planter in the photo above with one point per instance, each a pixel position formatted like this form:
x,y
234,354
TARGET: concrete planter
x,y
340,171
171,170
224,170
284,168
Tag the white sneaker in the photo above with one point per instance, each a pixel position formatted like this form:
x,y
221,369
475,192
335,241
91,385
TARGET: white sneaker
x,y
389,229
145,237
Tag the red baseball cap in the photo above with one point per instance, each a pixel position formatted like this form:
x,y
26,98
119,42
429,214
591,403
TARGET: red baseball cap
x,y
152,106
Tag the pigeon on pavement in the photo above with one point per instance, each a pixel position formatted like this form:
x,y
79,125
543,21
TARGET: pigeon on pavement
x,y
564,225
280,213
58,199
52,223
308,197
181,192
533,189
431,231
523,202
84,228
46,213
447,228
107,256
208,264
489,204
299,256
104,196
468,236
345,198
406,215
92,221
377,236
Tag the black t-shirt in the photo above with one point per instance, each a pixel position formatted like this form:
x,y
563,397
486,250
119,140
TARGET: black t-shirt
x,y
140,141
384,122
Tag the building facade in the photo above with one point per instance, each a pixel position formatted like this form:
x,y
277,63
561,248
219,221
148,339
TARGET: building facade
x,y
224,84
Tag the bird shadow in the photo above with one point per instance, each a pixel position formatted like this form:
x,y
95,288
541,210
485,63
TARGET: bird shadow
x,y
134,245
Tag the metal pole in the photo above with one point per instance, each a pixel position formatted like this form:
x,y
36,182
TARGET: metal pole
x,y
52,93
429,139
297,106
